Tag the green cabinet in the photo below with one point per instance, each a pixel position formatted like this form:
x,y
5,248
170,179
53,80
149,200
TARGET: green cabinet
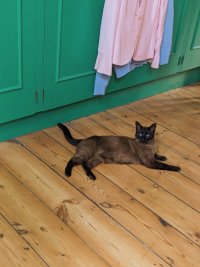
x,y
17,59
48,50
191,52
71,48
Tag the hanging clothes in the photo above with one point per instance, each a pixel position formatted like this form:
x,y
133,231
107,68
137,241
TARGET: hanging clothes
x,y
102,80
130,30
128,41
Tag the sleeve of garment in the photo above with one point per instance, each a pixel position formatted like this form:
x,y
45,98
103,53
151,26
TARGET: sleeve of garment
x,y
101,82
168,33
125,69
107,36
160,31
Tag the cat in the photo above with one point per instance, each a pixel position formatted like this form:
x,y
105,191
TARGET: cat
x,y
94,150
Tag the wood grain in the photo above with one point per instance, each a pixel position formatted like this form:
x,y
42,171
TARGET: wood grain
x,y
14,250
129,216
98,230
47,235
126,210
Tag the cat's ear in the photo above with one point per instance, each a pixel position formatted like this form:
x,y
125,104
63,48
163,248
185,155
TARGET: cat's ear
x,y
153,128
138,126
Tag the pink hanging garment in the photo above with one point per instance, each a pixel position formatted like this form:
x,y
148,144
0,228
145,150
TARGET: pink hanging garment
x,y
130,29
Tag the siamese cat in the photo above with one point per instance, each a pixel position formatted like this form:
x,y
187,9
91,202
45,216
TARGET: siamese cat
x,y
94,150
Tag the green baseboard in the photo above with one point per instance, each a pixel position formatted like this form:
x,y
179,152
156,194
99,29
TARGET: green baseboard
x,y
84,108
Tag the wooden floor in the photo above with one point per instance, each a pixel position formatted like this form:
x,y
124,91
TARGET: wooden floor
x,y
129,216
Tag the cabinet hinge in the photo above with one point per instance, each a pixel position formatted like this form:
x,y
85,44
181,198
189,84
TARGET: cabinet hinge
x,y
180,60
36,96
43,96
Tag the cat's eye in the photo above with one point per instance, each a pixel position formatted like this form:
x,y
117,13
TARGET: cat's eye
x,y
140,134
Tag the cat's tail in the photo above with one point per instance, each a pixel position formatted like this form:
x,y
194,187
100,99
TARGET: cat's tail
x,y
68,135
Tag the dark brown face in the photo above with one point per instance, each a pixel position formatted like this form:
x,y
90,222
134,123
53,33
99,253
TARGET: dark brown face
x,y
145,134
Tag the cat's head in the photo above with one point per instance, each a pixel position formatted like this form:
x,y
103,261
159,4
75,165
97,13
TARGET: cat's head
x,y
145,134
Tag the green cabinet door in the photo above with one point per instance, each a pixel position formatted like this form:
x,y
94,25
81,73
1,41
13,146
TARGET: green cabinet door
x,y
71,40
191,55
17,59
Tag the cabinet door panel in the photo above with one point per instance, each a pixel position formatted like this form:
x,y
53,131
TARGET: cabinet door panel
x,y
17,57
71,40
192,52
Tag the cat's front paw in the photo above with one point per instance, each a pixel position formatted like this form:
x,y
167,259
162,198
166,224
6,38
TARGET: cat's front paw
x,y
92,176
175,169
68,172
